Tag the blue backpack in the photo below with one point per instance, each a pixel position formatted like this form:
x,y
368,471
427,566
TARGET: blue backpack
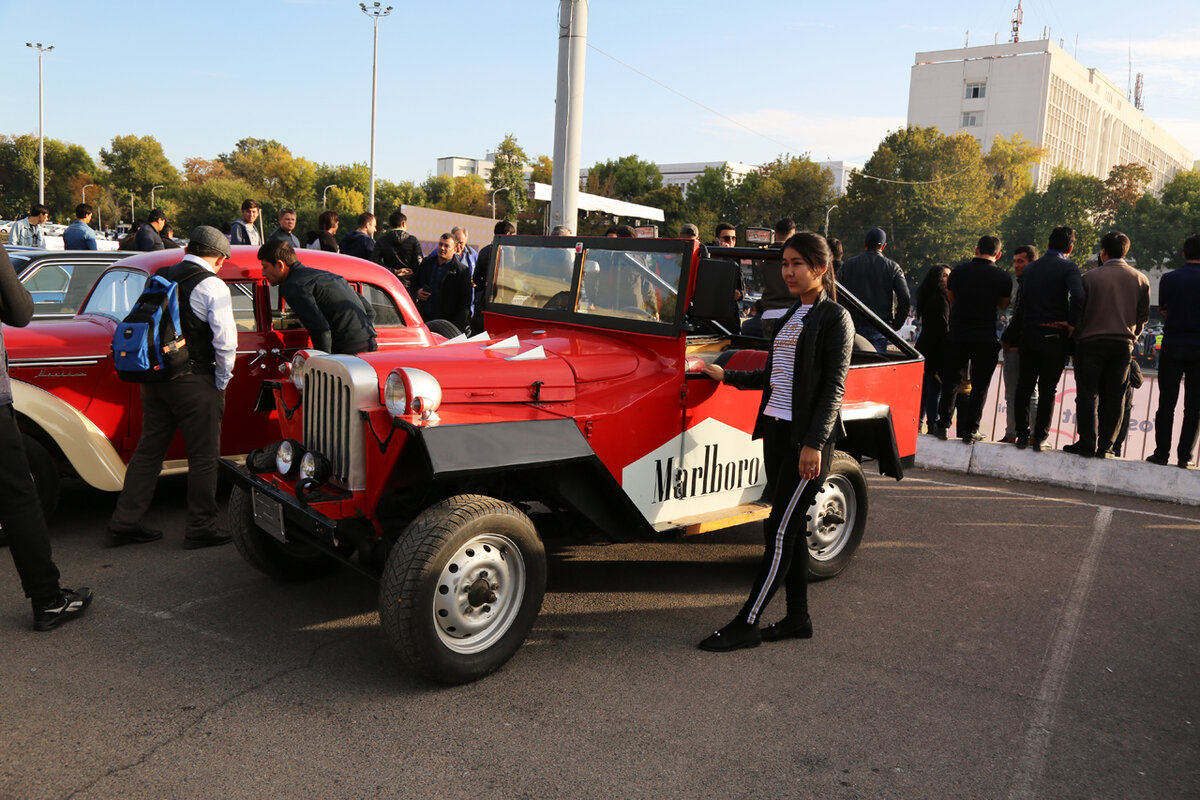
x,y
148,345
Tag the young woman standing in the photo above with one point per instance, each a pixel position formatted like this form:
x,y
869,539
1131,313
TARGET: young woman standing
x,y
799,421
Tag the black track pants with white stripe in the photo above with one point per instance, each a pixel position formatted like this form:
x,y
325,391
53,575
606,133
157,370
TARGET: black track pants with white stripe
x,y
786,527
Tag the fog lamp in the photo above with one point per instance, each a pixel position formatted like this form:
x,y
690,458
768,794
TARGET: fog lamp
x,y
287,457
315,467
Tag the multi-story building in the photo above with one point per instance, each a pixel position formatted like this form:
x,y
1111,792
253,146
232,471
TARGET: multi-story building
x,y
1081,118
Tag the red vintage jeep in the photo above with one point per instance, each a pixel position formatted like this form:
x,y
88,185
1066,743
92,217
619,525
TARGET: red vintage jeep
x,y
580,407
79,419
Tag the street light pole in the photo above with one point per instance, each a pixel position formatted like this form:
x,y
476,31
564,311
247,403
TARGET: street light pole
x,y
152,188
827,210
83,194
498,191
374,12
327,188
41,123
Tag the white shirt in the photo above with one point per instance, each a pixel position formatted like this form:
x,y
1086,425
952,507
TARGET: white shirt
x,y
210,301
783,362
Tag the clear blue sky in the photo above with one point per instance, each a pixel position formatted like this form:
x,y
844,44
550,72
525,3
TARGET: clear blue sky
x,y
827,79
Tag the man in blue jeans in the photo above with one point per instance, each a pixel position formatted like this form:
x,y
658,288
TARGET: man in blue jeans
x,y
1179,302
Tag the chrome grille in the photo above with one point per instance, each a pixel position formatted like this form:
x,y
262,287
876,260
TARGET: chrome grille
x,y
335,389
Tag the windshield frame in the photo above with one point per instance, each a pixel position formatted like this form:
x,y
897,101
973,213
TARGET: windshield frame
x,y
685,249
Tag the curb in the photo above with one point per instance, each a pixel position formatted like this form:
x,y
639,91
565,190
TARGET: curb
x,y
1054,467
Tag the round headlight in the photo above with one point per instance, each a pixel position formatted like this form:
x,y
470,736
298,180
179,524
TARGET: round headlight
x,y
297,371
287,456
395,394
308,465
315,466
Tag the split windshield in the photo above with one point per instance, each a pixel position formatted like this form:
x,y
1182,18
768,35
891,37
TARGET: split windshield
x,y
594,277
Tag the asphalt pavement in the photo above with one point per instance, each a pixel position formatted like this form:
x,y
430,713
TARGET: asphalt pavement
x,y
991,639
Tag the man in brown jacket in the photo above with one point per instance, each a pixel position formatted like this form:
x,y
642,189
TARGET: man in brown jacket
x,y
1115,309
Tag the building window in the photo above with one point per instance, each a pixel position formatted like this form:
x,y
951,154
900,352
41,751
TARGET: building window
x,y
975,90
972,119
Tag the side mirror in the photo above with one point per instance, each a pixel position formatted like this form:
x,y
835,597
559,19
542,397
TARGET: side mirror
x,y
716,281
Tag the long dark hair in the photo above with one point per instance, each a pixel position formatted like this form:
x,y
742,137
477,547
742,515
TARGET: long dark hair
x,y
816,252
931,284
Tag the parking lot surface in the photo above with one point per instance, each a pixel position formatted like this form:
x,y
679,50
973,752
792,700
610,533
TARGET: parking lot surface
x,y
991,639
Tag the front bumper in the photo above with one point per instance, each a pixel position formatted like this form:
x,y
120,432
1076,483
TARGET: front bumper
x,y
312,526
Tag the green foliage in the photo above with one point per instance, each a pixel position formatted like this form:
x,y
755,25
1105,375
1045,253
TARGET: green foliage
x,y
214,202
271,170
437,188
1125,185
624,179
468,195
674,207
1156,227
937,196
348,203
1071,198
68,168
136,164
1010,164
798,188
390,196
508,172
345,176
710,200
543,170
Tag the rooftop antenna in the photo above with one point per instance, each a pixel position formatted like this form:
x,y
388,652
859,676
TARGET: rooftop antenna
x,y
967,41
1137,94
1017,18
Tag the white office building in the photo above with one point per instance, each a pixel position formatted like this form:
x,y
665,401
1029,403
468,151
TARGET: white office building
x,y
1081,118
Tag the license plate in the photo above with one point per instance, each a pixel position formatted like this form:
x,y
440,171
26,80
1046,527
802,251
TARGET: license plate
x,y
268,514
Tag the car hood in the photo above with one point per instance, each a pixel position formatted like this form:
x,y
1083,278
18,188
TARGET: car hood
x,y
523,367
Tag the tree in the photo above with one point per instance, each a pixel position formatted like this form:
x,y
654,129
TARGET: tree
x,y
543,170
390,196
1125,185
136,164
674,208
508,172
68,168
344,176
437,188
931,193
468,195
347,202
798,188
710,199
198,170
1072,199
1157,226
1010,164
271,169
213,202
626,178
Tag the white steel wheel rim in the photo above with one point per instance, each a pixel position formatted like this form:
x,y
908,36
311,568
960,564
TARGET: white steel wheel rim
x,y
479,593
833,518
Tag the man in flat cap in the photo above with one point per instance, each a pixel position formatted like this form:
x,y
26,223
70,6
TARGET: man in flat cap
x,y
193,402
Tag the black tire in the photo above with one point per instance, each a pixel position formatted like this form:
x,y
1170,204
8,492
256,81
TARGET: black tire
x,y
838,518
45,474
443,327
444,627
291,561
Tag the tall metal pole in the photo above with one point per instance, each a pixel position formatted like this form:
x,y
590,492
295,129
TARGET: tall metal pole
x,y
83,194
568,112
152,188
375,12
327,188
41,123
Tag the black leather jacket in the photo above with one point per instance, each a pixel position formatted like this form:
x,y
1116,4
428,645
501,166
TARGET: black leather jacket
x,y
819,375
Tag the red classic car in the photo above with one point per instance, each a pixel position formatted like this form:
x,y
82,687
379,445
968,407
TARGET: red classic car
x,y
582,410
80,419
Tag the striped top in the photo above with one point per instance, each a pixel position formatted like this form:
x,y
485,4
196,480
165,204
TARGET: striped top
x,y
783,361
